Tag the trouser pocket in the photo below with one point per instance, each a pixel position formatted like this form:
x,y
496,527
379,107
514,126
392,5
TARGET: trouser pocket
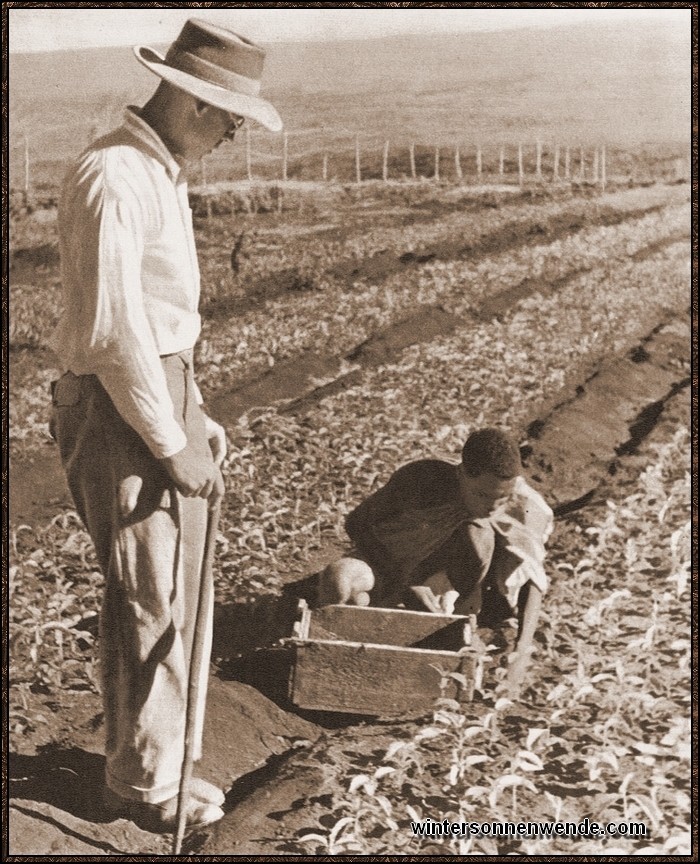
x,y
66,391
68,410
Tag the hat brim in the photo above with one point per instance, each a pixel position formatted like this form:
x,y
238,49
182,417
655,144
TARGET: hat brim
x,y
238,103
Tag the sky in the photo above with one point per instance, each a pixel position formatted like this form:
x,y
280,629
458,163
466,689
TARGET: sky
x,y
64,28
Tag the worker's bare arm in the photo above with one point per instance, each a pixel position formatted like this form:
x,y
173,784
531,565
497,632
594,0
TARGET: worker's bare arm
x,y
520,659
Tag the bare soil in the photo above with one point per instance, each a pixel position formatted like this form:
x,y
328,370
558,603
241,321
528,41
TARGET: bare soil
x,y
270,811
37,482
280,765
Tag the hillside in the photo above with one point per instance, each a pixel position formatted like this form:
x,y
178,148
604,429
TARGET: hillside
x,y
623,84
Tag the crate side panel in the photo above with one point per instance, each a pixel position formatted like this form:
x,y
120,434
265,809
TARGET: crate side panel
x,y
367,679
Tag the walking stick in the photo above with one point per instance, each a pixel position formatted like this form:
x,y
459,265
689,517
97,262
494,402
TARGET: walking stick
x,y
200,629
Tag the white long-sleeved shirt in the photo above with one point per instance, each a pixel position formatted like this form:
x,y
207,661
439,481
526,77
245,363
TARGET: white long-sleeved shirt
x,y
130,276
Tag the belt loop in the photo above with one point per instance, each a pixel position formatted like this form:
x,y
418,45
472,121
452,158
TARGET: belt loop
x,y
186,358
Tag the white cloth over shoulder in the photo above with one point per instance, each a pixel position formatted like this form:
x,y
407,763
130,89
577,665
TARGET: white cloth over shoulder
x,y
525,523
130,276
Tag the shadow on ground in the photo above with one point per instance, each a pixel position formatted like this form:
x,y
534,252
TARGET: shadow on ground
x,y
68,778
259,621
247,647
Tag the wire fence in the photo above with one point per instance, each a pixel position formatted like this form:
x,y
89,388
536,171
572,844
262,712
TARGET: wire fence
x,y
38,162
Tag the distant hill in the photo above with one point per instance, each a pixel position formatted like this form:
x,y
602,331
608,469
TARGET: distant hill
x,y
624,84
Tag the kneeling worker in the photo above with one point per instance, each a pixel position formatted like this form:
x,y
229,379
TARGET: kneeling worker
x,y
467,538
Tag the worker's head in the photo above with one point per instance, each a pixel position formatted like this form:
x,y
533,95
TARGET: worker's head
x,y
490,468
210,86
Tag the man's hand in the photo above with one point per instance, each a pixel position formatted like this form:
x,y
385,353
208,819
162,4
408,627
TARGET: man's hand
x,y
193,476
217,440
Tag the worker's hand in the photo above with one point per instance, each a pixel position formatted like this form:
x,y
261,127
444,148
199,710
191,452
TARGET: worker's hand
x,y
437,594
217,439
194,476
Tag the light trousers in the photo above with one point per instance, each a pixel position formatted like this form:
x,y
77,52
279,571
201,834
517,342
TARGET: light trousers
x,y
149,542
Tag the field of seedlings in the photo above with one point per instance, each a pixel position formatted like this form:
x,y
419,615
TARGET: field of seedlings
x,y
348,330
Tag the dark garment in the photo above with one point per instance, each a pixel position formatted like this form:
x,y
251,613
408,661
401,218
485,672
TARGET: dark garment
x,y
416,526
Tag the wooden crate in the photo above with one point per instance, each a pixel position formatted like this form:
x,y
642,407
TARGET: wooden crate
x,y
379,662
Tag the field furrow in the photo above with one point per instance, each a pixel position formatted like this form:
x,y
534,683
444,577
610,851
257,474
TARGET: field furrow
x,y
339,318
452,231
488,373
604,733
362,246
292,478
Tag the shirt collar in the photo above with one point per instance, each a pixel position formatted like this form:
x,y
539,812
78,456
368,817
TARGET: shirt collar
x,y
147,135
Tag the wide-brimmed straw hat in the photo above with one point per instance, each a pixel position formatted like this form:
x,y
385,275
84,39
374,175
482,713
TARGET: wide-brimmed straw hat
x,y
217,66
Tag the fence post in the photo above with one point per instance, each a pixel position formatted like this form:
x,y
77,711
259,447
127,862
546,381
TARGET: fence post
x,y
458,165
285,156
358,170
385,162
567,164
248,159
682,169
595,165
205,185
502,160
521,173
412,159
325,167
538,169
603,177
582,168
437,163
556,162
478,164
26,167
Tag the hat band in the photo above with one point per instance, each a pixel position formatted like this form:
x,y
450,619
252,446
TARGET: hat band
x,y
213,74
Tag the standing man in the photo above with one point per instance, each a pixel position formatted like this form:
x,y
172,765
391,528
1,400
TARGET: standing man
x,y
141,457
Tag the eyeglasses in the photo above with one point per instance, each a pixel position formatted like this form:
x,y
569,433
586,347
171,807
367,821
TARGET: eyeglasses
x,y
236,121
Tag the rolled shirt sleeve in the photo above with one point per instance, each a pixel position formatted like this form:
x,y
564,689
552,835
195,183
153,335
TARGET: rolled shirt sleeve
x,y
525,527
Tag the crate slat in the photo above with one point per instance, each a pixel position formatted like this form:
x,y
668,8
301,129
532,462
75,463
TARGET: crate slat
x,y
378,680
386,626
